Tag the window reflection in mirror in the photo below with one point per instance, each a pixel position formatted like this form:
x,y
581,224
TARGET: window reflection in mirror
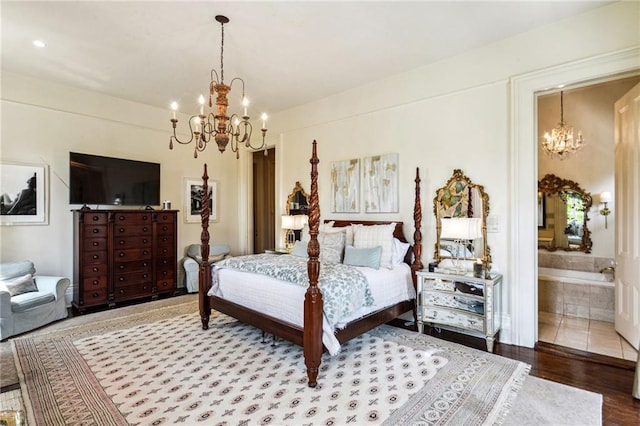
x,y
563,215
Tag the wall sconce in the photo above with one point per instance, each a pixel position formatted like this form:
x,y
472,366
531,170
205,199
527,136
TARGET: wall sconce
x,y
605,198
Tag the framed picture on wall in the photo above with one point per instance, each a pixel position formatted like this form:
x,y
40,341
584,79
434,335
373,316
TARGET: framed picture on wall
x,y
345,186
23,194
193,200
380,174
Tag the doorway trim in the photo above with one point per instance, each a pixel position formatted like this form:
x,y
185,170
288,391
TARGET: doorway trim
x,y
523,252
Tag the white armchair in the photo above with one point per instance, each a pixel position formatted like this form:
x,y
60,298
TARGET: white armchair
x,y
217,252
33,308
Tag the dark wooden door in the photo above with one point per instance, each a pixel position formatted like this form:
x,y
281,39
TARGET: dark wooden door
x,y
264,200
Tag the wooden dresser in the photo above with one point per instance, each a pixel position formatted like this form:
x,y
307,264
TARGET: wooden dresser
x,y
121,255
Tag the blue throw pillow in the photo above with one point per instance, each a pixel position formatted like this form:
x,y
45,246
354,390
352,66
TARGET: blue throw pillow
x,y
300,249
369,257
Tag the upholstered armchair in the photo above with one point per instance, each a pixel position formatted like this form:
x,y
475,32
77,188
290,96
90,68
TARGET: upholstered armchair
x,y
217,252
29,301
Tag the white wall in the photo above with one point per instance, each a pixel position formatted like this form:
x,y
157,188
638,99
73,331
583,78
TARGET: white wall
x,y
452,114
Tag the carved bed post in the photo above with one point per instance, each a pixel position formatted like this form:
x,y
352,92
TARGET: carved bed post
x,y
204,272
417,241
312,330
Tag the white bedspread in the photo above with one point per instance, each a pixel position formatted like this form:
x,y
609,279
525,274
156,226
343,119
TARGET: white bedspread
x,y
285,301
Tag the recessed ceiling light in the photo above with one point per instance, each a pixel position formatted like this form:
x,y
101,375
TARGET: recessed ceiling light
x,y
39,43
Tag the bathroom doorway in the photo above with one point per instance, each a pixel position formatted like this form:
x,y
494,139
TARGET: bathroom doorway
x,y
576,300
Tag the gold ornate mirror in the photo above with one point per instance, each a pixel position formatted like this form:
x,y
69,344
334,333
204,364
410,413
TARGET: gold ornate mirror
x,y
563,209
297,201
461,209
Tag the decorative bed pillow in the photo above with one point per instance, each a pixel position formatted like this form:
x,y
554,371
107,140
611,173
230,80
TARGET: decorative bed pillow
x,y
373,236
300,249
19,285
324,227
399,251
369,257
331,246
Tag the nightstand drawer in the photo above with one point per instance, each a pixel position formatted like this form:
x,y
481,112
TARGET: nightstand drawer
x,y
461,286
447,300
453,318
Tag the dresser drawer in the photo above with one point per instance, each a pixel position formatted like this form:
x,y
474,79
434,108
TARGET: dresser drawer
x,y
124,255
93,244
164,286
165,217
94,231
130,230
453,318
132,291
95,218
95,270
94,283
456,301
136,241
94,296
133,266
120,280
132,218
91,257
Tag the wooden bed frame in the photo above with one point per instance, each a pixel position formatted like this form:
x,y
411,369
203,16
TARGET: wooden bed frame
x,y
310,336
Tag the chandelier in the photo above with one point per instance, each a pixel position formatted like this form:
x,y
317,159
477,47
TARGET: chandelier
x,y
219,125
561,143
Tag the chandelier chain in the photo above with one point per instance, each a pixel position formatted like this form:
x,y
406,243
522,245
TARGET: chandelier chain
x,y
222,55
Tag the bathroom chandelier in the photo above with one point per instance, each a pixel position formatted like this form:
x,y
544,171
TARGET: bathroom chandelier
x,y
561,143
219,125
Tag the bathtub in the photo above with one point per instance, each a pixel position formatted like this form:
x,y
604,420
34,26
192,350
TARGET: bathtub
x,y
588,295
575,277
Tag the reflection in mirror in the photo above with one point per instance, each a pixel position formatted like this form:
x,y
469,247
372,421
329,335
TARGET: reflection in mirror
x,y
297,201
461,208
562,215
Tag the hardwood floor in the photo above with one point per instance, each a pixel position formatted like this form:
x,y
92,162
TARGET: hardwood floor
x,y
611,377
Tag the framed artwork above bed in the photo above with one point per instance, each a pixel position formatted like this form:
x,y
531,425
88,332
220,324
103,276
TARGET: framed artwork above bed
x,y
193,195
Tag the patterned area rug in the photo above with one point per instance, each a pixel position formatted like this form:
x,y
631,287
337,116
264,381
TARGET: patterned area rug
x,y
171,371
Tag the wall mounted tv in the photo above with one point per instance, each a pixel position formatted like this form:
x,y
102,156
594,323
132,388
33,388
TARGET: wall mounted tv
x,y
94,179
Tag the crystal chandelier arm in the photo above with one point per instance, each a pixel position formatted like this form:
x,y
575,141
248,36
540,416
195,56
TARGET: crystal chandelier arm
x,y
174,137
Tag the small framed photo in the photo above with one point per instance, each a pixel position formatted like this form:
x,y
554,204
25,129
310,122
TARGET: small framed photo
x,y
193,200
23,194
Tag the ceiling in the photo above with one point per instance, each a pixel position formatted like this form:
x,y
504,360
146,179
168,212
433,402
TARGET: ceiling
x,y
288,53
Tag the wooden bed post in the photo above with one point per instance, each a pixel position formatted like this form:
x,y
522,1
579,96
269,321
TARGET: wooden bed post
x,y
312,329
204,272
417,241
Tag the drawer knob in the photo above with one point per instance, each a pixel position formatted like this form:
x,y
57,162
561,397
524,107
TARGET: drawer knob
x,y
121,291
121,242
121,254
145,275
96,230
95,244
95,256
121,230
145,241
96,282
144,264
145,229
121,218
145,252
121,278
96,294
121,266
96,218
145,217
95,269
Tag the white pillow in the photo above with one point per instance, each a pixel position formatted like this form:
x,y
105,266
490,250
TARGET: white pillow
x,y
399,251
19,285
376,235
324,227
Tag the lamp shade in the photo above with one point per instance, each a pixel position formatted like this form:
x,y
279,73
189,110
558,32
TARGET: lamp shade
x,y
605,197
288,222
300,220
461,228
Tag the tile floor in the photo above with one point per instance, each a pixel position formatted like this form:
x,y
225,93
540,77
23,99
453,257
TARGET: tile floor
x,y
588,335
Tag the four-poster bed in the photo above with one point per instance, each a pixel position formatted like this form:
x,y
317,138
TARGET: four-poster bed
x,y
310,334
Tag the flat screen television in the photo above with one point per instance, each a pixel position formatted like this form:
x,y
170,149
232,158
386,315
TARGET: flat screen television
x,y
94,179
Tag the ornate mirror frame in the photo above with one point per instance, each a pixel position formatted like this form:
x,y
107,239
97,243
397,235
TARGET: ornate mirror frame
x,y
460,197
298,195
551,184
